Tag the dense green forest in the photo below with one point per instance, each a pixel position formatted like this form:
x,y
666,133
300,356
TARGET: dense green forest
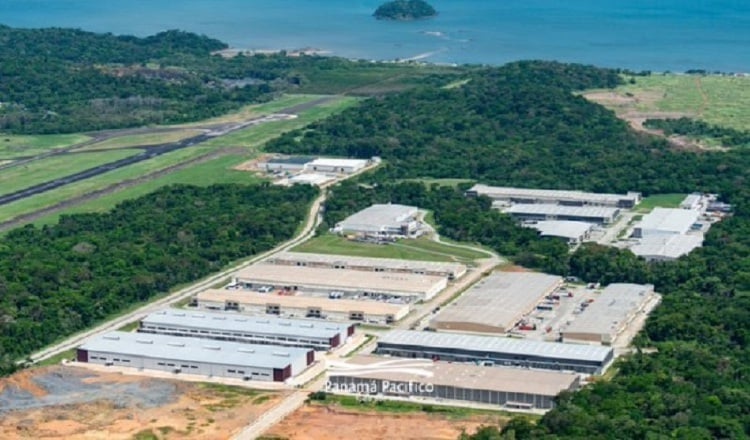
x,y
60,279
727,137
403,10
522,125
65,80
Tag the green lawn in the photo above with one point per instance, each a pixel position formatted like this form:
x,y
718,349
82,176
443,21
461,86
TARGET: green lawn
x,y
141,139
12,146
716,99
255,110
255,137
420,249
660,200
39,171
217,170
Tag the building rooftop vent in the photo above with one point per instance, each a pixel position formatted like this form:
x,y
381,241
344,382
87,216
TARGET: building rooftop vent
x,y
281,353
144,341
112,337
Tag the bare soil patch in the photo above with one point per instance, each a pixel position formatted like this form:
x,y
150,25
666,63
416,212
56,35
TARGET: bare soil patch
x,y
318,422
66,402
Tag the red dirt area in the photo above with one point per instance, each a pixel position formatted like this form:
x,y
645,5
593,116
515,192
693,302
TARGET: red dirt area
x,y
319,422
64,402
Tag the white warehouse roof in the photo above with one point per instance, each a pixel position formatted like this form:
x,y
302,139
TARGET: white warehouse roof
x,y
669,220
612,310
572,230
499,192
235,322
194,349
497,344
562,210
497,302
350,261
377,217
666,247
337,163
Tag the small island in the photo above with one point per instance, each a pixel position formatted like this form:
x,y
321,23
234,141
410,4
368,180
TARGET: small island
x,y
404,10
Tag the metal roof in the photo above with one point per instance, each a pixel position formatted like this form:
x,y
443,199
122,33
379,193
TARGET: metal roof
x,y
499,300
553,194
367,306
668,220
342,279
311,178
562,228
611,310
551,209
512,380
350,261
670,246
242,323
189,349
496,344
334,162
378,216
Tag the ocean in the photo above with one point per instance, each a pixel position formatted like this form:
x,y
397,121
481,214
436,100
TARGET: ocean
x,y
657,35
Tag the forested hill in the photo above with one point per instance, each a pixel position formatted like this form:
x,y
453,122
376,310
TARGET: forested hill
x,y
522,125
67,80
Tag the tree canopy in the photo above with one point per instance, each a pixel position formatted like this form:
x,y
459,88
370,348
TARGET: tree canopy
x,y
404,10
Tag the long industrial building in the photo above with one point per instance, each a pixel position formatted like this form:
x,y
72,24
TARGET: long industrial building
x,y
196,356
610,314
572,231
666,221
391,265
544,211
511,388
349,283
500,351
497,303
248,329
382,221
558,197
291,306
666,247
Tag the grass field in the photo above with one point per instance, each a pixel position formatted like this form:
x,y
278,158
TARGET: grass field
x,y
49,198
373,79
660,200
43,170
217,170
214,171
255,110
141,139
716,99
255,137
420,249
12,146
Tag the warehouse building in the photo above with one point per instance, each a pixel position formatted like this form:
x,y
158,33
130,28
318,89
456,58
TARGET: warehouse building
x,y
604,319
247,329
494,350
543,211
196,356
345,283
572,232
666,221
510,388
666,247
496,303
390,265
289,164
692,201
310,179
340,166
382,221
375,312
556,197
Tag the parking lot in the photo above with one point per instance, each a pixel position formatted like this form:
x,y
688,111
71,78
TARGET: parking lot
x,y
554,313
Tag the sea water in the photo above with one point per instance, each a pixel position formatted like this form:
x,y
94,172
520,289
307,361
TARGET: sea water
x,y
658,35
